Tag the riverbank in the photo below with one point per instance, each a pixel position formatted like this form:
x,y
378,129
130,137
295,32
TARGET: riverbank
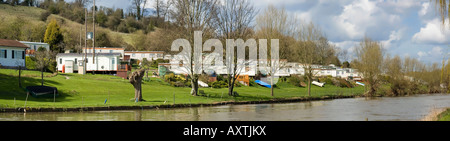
x,y
106,92
444,115
142,107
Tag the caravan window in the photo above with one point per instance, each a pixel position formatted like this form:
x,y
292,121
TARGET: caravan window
x,y
60,60
2,53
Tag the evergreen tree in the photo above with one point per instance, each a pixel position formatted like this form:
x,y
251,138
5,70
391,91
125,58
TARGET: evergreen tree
x,y
53,36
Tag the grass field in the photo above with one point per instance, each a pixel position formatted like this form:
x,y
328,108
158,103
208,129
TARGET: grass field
x,y
93,90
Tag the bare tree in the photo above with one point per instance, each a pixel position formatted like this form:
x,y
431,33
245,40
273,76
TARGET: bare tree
x,y
159,7
196,20
370,63
43,60
234,22
139,6
277,28
313,49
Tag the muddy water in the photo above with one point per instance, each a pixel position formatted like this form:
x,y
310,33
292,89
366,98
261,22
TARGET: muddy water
x,y
356,109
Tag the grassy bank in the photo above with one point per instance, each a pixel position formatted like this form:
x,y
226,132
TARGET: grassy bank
x,y
445,116
92,91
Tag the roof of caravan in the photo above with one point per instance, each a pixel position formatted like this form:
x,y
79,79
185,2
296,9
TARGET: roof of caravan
x,y
88,54
11,43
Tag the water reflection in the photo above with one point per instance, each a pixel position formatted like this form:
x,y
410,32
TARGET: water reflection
x,y
359,109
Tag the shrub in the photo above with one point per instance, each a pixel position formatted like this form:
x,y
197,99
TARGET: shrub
x,y
177,80
30,63
219,84
345,84
329,81
252,83
45,15
295,80
156,62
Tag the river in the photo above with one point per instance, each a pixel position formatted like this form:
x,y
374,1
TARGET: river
x,y
411,108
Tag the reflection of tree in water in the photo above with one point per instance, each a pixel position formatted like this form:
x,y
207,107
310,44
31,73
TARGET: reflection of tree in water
x,y
138,115
195,115
231,109
307,105
261,108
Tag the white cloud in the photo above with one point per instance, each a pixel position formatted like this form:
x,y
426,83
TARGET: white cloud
x,y
424,9
432,33
435,51
366,17
393,37
422,54
354,28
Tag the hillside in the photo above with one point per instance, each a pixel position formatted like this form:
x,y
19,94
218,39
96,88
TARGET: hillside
x,y
31,20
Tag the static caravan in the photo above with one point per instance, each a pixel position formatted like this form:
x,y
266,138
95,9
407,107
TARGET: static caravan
x,y
34,46
12,53
73,62
149,55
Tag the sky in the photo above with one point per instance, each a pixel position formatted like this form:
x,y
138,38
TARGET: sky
x,y
404,27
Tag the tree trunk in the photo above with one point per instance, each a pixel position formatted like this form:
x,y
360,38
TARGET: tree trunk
x,y
42,77
136,81
271,85
230,85
309,86
138,92
194,84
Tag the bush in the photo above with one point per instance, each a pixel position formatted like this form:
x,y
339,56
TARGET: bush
x,y
219,84
329,81
30,63
45,15
52,66
155,63
295,80
344,84
252,83
177,80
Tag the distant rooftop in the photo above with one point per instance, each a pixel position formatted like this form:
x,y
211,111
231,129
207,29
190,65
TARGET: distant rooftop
x,y
88,54
27,42
144,51
11,43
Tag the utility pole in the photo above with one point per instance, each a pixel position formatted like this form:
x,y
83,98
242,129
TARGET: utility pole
x,y
93,38
81,34
85,42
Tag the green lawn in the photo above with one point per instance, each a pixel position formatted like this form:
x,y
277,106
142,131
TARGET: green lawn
x,y
92,90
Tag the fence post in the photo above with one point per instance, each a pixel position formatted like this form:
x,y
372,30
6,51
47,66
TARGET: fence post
x,y
25,106
54,96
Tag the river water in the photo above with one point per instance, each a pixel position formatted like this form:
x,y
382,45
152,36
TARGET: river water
x,y
356,109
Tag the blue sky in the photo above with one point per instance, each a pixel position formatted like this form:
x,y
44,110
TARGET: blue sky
x,y
405,27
